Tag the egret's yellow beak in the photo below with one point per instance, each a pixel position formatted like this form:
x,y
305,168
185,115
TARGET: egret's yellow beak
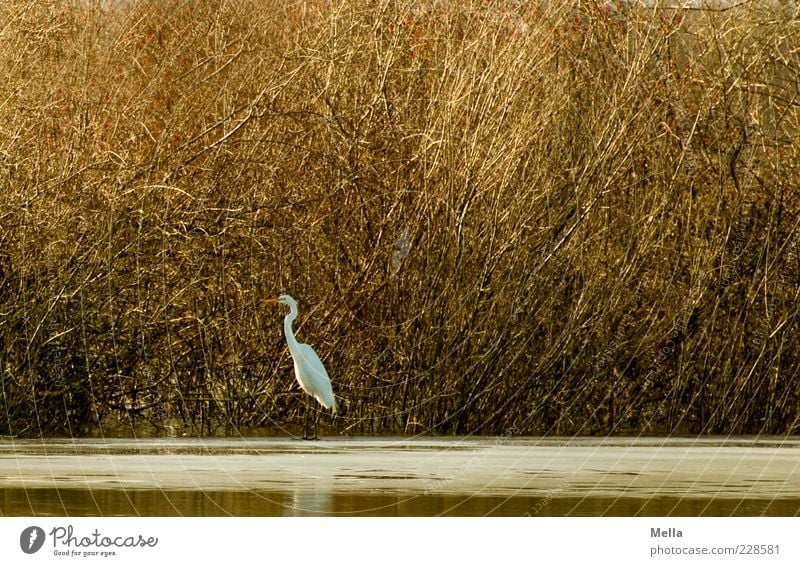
x,y
275,300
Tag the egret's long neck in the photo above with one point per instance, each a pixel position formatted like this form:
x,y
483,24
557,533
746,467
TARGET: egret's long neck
x,y
287,328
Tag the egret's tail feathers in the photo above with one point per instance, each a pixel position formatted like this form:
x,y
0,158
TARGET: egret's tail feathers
x,y
328,401
331,404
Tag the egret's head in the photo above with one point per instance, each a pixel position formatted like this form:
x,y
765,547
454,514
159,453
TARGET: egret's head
x,y
285,300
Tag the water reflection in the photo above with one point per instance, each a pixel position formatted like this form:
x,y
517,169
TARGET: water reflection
x,y
314,502
72,503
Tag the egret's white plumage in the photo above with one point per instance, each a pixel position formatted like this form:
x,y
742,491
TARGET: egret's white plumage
x,y
308,368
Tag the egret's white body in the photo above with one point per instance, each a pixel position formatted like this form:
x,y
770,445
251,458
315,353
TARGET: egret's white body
x,y
308,368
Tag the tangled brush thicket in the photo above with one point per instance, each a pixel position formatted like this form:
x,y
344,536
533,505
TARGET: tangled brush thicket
x,y
495,215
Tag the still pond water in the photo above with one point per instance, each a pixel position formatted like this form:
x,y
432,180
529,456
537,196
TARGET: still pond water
x,y
401,477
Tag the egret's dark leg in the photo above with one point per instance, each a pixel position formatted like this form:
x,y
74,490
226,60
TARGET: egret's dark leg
x,y
305,424
316,418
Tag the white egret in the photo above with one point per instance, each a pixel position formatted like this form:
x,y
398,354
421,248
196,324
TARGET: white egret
x,y
308,368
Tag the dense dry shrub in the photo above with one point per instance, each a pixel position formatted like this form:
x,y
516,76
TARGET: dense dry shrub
x,y
495,215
